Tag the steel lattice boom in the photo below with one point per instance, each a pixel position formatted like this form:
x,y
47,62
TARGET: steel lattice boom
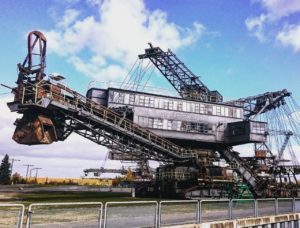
x,y
187,84
256,105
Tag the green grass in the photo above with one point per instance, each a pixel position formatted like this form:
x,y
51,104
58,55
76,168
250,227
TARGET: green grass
x,y
64,197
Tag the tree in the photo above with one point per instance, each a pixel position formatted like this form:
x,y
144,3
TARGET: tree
x,y
16,178
5,171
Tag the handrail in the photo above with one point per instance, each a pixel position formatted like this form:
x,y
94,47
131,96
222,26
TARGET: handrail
x,y
21,212
155,203
30,211
158,208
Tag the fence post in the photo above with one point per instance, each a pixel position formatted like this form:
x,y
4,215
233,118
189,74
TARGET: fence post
x,y
230,209
20,219
276,206
255,208
100,216
200,211
158,215
158,222
29,213
105,215
294,205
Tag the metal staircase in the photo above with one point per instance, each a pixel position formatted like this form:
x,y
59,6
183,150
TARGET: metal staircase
x,y
256,184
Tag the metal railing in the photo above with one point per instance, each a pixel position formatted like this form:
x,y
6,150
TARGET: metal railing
x,y
144,213
243,208
266,207
285,206
188,211
57,213
134,214
208,209
11,215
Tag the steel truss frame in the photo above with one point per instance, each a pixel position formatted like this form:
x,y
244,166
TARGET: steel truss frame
x,y
187,84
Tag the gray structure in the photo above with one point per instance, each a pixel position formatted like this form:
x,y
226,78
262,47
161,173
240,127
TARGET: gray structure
x,y
191,136
185,122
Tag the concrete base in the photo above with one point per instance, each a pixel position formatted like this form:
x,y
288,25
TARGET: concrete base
x,y
246,222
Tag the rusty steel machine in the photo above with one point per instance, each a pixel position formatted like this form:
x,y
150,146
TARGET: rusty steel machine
x,y
192,136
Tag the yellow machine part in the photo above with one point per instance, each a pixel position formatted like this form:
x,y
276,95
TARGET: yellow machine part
x,y
33,131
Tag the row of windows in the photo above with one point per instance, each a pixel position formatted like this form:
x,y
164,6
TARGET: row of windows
x,y
170,104
175,125
239,128
258,128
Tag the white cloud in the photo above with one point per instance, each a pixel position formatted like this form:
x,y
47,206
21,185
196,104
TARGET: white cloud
x,y
275,11
94,69
255,26
290,36
118,34
94,2
280,8
60,159
69,17
76,152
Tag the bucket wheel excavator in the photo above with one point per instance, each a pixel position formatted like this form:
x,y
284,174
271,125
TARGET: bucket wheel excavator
x,y
52,111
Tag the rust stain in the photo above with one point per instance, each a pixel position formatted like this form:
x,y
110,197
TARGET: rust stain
x,y
34,130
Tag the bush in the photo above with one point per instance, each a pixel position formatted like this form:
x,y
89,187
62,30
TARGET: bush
x,y
16,178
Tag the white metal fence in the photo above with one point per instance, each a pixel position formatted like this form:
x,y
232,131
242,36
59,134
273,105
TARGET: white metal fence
x,y
243,208
176,212
130,214
78,214
266,207
215,210
11,215
141,213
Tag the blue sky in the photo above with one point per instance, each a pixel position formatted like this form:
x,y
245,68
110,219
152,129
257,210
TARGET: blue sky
x,y
240,48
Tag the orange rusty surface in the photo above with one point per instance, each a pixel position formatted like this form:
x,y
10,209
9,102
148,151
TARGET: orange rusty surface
x,y
40,130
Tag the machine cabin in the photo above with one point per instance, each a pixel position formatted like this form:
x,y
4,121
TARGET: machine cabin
x,y
188,123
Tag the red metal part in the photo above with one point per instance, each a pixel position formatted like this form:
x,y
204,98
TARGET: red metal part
x,y
36,38
35,61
